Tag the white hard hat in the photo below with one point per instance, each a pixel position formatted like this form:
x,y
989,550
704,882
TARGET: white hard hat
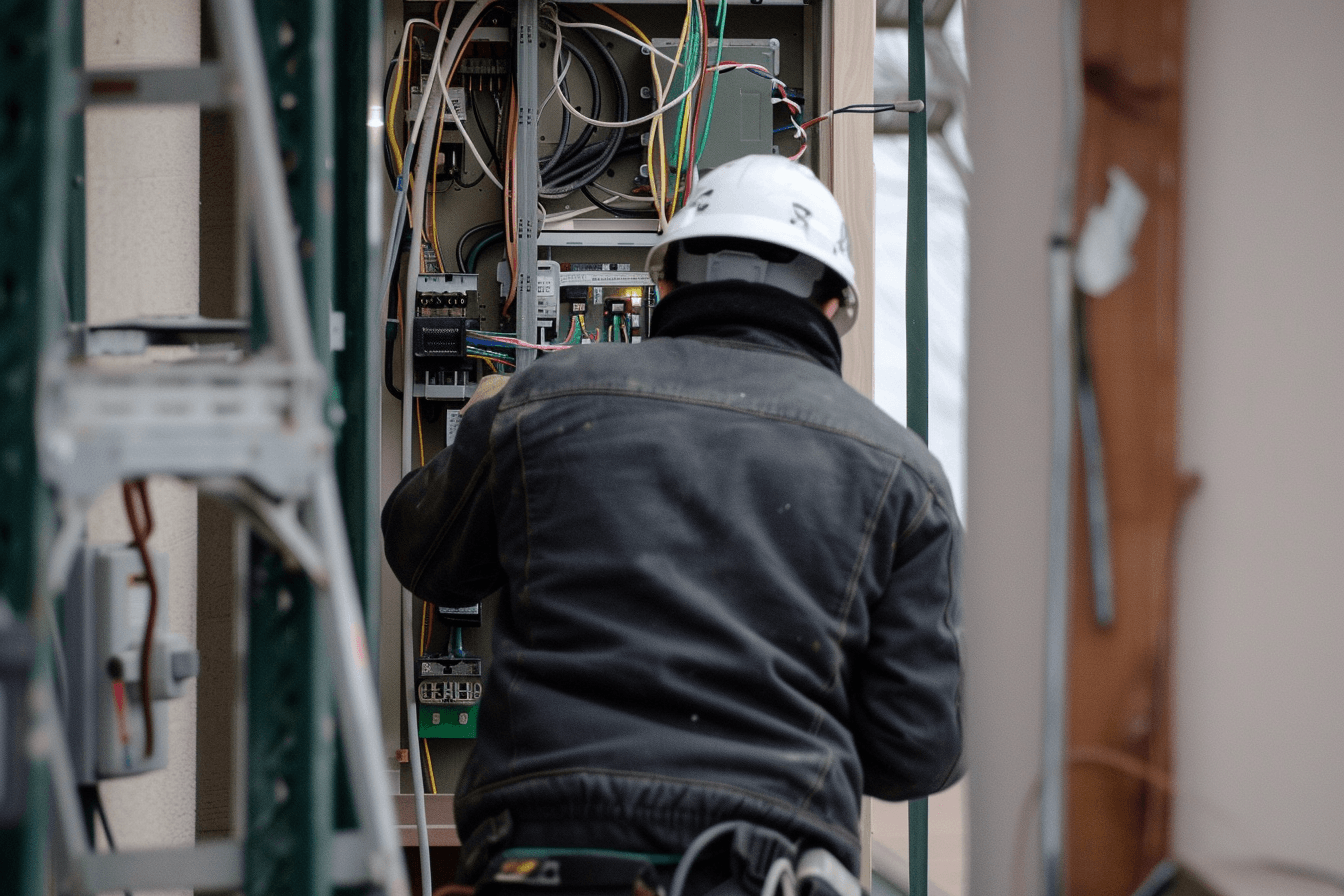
x,y
772,200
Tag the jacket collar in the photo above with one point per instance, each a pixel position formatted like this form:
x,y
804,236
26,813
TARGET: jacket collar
x,y
748,312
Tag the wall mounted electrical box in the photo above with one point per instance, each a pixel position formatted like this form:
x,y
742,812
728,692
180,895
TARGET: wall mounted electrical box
x,y
107,607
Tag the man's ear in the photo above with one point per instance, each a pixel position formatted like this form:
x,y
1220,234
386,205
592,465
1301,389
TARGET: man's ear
x,y
830,307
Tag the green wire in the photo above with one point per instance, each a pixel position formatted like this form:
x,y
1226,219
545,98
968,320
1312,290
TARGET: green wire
x,y
722,23
476,251
692,51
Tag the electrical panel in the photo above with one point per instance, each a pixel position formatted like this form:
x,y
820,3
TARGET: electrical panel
x,y
533,164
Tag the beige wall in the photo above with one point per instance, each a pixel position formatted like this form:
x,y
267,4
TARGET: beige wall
x,y
143,258
1259,729
1260,723
1013,123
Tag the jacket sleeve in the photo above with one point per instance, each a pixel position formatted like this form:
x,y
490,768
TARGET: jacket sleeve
x,y
907,711
439,523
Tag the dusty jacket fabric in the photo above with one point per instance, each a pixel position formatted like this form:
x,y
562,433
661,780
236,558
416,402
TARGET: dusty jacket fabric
x,y
729,588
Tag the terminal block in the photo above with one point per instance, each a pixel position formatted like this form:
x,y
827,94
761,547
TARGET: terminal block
x,y
448,689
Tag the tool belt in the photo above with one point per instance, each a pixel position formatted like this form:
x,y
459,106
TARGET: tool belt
x,y
733,858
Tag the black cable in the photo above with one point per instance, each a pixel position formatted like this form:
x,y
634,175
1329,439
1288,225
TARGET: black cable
x,y
92,800
548,164
462,242
613,210
575,169
564,148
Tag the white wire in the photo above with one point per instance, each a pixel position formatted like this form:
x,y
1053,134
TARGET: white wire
x,y
646,200
598,26
547,217
555,74
564,73
466,138
454,49
413,132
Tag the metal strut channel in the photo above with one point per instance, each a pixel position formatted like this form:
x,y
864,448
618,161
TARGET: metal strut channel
x,y
527,178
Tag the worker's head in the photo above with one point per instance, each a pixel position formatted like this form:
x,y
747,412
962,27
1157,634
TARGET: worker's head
x,y
762,219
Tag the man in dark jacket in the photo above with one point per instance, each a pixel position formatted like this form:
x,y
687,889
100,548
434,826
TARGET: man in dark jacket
x,y
729,584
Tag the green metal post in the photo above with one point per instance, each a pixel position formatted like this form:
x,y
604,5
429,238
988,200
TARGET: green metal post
x,y
917,345
36,94
358,251
291,724
290,732
356,369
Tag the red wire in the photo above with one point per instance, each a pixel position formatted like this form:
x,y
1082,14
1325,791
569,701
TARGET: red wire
x,y
142,524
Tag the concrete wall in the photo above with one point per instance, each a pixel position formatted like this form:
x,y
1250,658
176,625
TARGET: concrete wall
x,y
142,176
1259,731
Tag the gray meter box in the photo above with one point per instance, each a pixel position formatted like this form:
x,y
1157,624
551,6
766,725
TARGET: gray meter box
x,y
743,120
106,608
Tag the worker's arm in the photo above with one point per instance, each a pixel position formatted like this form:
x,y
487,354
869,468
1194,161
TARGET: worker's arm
x,y
907,709
439,524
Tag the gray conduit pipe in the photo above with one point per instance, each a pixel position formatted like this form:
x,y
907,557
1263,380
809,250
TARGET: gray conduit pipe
x,y
1053,770
425,154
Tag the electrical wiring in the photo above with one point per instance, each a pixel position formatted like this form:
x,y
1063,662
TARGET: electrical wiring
x,y
390,104
613,210
647,200
581,162
686,119
429,767
862,109
461,35
664,107
722,23
433,192
135,496
484,244
511,201
497,339
420,436
655,123
462,241
782,89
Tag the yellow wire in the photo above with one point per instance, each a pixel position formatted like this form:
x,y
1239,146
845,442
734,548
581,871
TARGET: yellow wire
x,y
655,126
433,193
681,136
420,431
392,115
429,764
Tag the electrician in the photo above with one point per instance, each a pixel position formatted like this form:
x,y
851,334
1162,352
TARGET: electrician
x,y
728,584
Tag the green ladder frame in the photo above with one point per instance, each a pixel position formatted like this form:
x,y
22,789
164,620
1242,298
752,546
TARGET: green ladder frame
x,y
321,111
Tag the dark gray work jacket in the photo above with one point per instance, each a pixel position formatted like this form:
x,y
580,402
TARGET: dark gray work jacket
x,y
729,588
